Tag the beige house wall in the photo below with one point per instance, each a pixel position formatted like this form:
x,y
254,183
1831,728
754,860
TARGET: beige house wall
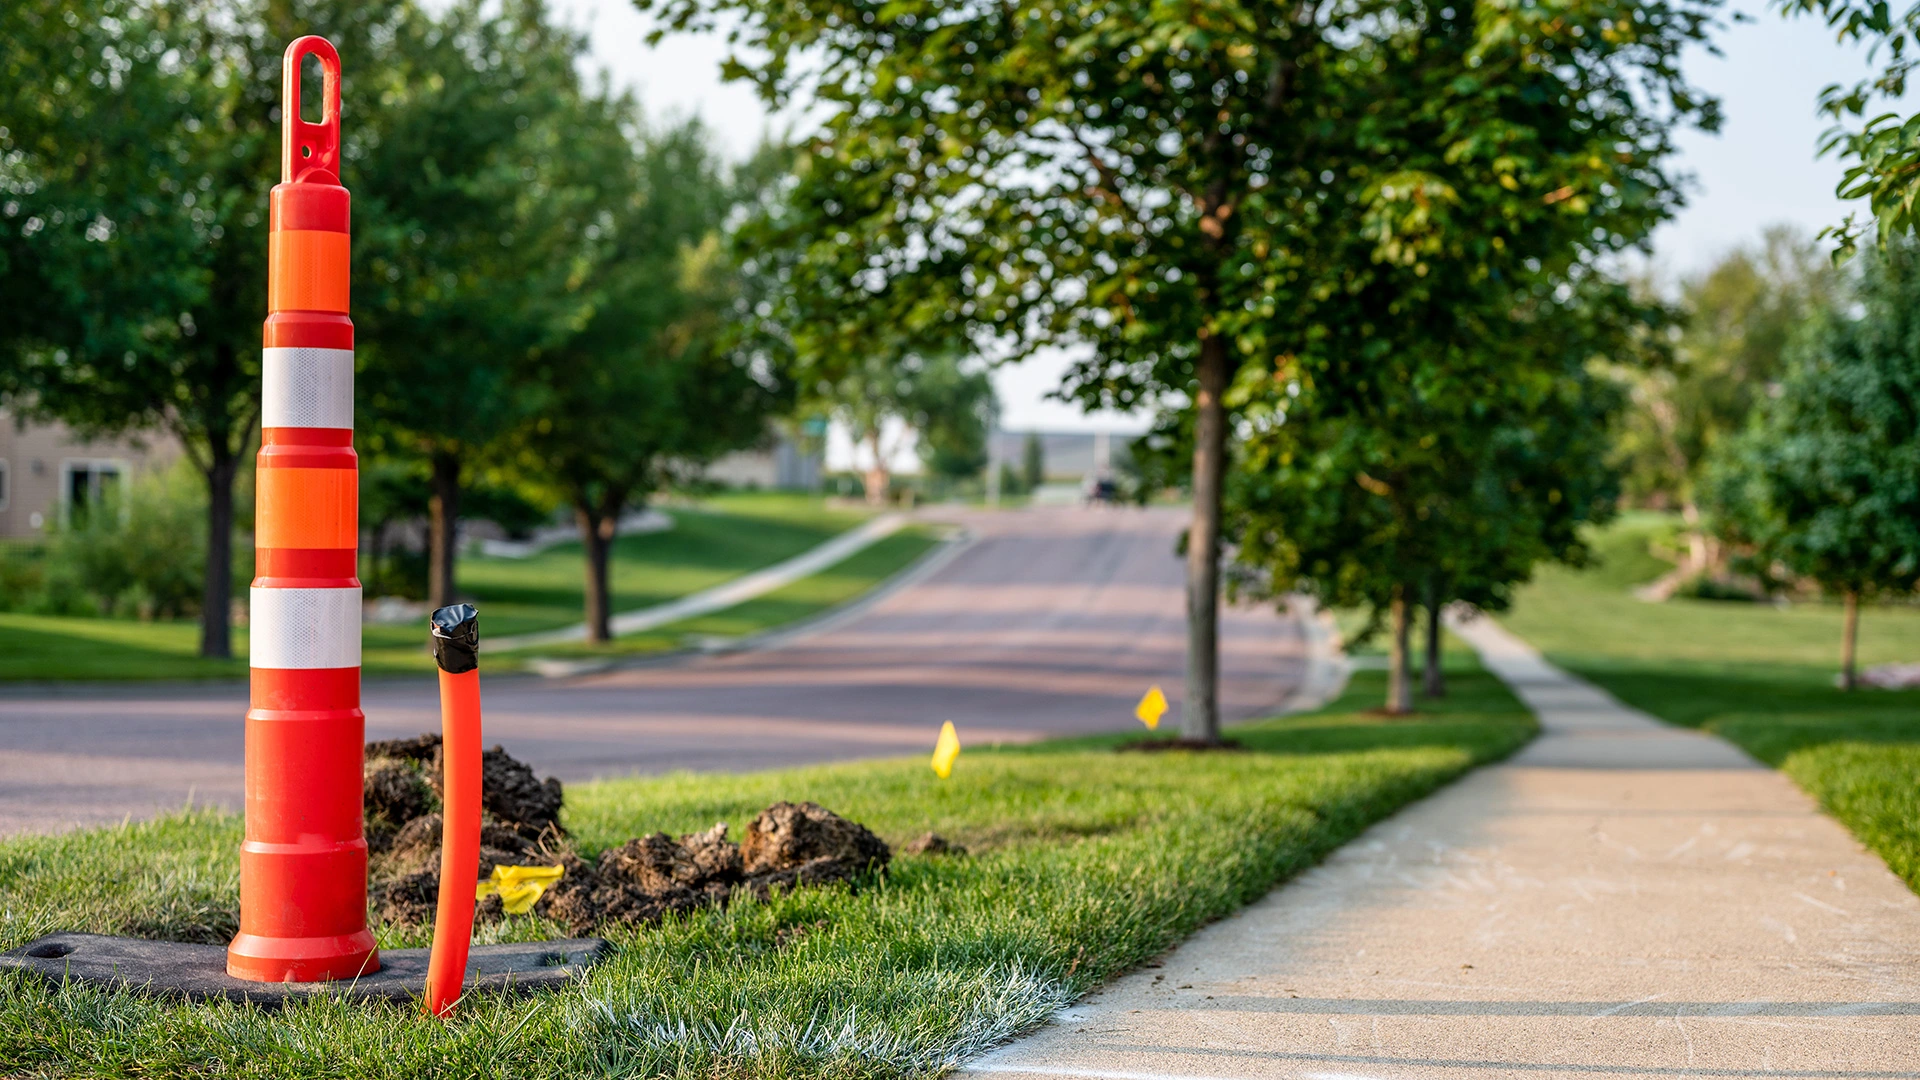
x,y
43,463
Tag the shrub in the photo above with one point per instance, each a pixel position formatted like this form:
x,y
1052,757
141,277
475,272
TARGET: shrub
x,y
23,574
140,552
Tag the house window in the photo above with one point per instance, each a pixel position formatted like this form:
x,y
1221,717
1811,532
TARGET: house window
x,y
87,484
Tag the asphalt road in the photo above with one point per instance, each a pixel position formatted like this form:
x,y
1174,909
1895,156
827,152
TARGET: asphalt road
x,y
1051,621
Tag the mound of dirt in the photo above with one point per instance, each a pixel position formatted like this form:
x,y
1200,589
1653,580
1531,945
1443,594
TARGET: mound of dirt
x,y
787,845
519,822
790,835
403,778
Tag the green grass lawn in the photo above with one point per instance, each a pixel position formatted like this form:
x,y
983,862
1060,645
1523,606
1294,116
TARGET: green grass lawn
x,y
815,594
1755,674
713,542
1085,863
59,647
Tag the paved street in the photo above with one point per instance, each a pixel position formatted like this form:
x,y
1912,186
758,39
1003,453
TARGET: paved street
x,y
1052,621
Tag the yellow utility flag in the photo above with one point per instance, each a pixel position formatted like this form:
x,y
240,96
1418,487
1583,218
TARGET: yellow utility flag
x,y
1152,707
518,886
946,750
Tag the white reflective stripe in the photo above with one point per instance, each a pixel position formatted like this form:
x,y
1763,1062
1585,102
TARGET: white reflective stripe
x,y
306,388
304,628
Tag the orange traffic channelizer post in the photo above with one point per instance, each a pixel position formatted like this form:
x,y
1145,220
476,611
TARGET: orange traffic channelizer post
x,y
303,865
455,640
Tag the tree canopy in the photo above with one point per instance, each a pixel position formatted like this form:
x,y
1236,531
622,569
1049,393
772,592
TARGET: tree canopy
x,y
139,142
471,160
1437,491
509,263
1825,482
1185,187
652,380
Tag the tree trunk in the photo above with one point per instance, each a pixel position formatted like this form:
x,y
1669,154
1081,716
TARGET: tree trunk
x,y
216,595
1436,679
1849,633
443,513
877,479
1399,692
596,537
377,556
1699,551
1200,714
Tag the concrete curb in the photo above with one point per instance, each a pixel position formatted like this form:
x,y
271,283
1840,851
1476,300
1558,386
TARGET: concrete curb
x,y
1328,667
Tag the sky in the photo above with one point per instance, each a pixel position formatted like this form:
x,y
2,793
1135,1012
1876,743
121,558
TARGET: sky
x,y
1758,170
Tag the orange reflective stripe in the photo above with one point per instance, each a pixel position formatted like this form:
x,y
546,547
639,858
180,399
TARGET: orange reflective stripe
x,y
306,508
306,270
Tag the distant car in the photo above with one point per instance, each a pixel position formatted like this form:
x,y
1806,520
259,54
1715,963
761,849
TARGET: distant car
x,y
1100,492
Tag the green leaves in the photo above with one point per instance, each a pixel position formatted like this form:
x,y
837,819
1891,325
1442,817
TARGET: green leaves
x,y
1886,149
1129,178
1730,349
475,192
654,375
1826,480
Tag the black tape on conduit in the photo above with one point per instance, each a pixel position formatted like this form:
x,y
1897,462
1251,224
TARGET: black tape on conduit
x,y
455,638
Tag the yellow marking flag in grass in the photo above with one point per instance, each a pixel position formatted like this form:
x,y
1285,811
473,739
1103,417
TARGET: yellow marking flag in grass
x,y
1152,707
518,886
946,750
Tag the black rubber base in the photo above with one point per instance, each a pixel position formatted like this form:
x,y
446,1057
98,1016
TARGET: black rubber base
x,y
199,972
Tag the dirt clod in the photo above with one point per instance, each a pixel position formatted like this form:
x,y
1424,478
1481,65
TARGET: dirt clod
x,y
788,835
421,749
511,793
410,899
932,844
716,857
395,793
650,876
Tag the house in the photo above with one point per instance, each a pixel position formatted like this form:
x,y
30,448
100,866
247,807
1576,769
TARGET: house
x,y
783,464
45,470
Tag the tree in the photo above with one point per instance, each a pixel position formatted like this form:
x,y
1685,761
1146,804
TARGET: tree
x,y
1033,461
650,382
891,394
1186,187
1885,150
139,142
1440,488
1825,482
1355,515
474,240
1734,325
954,411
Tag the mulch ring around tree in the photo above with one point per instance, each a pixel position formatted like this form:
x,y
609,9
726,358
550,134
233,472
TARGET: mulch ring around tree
x,y
787,846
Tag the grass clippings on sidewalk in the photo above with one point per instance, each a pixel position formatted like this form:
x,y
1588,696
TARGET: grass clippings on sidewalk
x,y
1085,863
1759,676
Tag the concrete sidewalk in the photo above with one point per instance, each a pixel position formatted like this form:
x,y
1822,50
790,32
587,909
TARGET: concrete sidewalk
x,y
1620,899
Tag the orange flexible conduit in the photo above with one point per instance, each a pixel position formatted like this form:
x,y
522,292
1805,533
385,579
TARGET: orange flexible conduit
x,y
456,646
